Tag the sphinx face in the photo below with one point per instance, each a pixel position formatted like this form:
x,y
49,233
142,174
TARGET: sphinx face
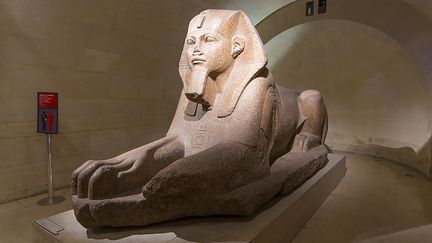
x,y
208,50
208,55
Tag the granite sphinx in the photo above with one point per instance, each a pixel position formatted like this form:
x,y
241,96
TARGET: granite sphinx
x,y
237,139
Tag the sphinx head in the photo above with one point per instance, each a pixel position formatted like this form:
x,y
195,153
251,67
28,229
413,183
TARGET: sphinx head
x,y
210,41
219,45
212,49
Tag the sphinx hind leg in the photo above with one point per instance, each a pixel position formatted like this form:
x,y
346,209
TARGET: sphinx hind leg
x,y
313,130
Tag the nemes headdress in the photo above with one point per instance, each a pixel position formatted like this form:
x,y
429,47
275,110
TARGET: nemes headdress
x,y
246,66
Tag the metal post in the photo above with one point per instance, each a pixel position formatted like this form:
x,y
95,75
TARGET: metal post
x,y
50,171
51,199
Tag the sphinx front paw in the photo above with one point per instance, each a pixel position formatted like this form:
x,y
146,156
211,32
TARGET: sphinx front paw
x,y
81,207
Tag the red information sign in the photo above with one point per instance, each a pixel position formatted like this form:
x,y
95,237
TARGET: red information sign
x,y
47,100
47,112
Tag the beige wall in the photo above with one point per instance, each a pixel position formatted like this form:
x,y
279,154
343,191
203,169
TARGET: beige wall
x,y
110,61
114,64
411,29
423,6
372,88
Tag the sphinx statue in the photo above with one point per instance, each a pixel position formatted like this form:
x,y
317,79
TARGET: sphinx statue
x,y
237,139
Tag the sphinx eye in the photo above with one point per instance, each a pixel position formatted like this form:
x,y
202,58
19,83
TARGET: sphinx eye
x,y
190,42
210,38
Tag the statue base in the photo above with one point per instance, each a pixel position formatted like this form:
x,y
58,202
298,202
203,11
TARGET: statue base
x,y
278,221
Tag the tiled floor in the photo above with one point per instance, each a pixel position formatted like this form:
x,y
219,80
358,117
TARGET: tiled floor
x,y
377,201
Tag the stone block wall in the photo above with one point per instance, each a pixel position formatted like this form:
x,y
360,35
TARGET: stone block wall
x,y
114,64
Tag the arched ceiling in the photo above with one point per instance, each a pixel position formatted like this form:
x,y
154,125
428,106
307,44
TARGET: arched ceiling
x,y
404,22
398,19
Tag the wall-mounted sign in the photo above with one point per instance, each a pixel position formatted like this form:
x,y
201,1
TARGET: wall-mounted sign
x,y
47,112
322,6
309,8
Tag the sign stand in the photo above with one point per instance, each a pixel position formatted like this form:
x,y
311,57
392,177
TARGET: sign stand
x,y
51,199
48,123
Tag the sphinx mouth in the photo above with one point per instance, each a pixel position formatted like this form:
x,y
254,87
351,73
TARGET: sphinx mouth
x,y
197,60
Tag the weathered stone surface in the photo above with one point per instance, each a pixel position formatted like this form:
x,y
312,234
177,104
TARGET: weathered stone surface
x,y
279,221
236,140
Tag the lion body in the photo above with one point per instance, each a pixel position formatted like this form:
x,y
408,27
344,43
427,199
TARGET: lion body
x,y
221,153
265,113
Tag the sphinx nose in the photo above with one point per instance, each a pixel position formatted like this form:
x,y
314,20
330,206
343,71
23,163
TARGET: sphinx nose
x,y
196,50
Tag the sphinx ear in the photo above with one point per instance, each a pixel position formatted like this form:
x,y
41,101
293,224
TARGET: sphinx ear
x,y
238,45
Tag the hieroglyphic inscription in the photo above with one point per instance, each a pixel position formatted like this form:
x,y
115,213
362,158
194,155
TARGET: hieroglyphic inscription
x,y
200,137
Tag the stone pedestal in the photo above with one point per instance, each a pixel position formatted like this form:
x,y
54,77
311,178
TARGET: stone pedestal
x,y
278,221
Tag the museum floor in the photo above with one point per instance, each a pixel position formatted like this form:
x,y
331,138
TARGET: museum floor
x,y
377,201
